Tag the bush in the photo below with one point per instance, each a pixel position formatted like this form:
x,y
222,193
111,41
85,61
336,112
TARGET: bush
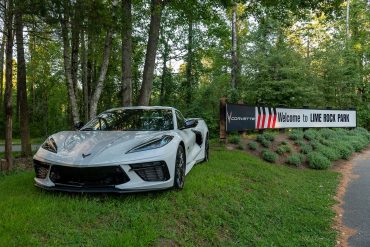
x,y
296,134
330,153
269,156
306,148
269,136
344,151
294,159
266,143
234,139
310,134
284,143
283,149
327,133
252,145
240,146
316,144
300,143
260,138
318,161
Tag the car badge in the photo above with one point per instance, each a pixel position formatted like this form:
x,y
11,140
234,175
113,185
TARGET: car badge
x,y
85,155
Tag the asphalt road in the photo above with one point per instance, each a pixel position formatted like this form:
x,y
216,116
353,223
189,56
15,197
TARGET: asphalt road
x,y
17,148
357,203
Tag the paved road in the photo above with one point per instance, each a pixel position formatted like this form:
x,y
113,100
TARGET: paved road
x,y
17,148
357,203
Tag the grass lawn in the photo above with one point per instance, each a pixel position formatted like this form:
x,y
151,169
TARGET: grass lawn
x,y
234,200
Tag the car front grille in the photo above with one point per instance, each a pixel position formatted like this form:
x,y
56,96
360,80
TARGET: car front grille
x,y
87,177
152,171
41,169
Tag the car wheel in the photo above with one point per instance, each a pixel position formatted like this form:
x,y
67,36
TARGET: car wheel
x,y
206,150
180,168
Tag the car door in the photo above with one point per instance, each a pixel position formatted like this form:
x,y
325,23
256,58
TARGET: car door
x,y
187,135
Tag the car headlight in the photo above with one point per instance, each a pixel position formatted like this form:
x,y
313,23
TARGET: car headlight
x,y
50,145
153,144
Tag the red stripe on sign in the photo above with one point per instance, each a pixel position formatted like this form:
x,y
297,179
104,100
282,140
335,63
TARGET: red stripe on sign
x,y
263,120
258,121
269,122
274,121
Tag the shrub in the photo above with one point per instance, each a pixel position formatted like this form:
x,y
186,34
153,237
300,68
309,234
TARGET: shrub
x,y
330,153
300,143
310,134
358,145
306,148
252,145
284,143
318,161
345,151
266,143
327,133
269,136
315,144
283,149
234,139
296,134
294,159
260,138
269,156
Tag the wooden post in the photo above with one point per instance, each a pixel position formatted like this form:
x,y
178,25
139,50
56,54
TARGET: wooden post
x,y
223,134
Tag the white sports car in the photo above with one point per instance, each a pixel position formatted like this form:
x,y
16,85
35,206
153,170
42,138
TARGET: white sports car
x,y
123,150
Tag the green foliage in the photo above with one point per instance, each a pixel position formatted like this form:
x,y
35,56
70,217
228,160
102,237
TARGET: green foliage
x,y
240,146
284,143
266,143
331,153
234,139
296,135
306,148
294,159
318,161
269,136
269,156
252,145
260,138
311,134
283,149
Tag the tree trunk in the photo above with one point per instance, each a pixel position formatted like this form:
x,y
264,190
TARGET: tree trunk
x,y
126,53
189,65
151,50
8,88
234,57
22,86
75,41
103,71
67,64
163,92
2,49
85,87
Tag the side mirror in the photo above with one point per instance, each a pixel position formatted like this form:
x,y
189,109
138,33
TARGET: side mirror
x,y
191,123
79,125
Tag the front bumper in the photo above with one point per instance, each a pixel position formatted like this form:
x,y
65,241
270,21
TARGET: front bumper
x,y
133,177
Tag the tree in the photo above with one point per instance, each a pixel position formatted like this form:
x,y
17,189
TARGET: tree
x,y
22,84
8,86
154,27
126,53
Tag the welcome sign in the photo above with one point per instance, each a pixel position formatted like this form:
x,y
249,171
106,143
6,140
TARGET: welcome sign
x,y
242,117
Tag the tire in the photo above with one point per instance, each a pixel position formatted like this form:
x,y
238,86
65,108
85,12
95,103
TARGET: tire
x,y
206,150
180,168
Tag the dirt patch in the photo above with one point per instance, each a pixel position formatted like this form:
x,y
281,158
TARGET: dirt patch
x,y
345,168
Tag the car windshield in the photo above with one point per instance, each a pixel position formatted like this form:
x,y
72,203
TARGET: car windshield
x,y
132,120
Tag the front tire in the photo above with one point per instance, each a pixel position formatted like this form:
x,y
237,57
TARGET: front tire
x,y
206,150
180,168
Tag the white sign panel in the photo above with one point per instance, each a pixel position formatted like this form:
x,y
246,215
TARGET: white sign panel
x,y
303,118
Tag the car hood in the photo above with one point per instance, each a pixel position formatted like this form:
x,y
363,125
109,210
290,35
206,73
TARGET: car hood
x,y
92,147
